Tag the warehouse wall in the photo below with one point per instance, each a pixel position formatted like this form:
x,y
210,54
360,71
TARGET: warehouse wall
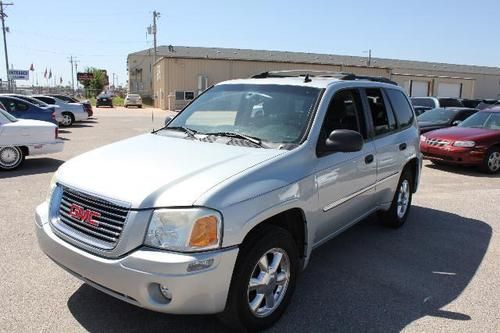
x,y
139,69
177,75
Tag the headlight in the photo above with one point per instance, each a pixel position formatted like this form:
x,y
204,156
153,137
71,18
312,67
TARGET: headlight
x,y
185,230
465,144
52,186
423,138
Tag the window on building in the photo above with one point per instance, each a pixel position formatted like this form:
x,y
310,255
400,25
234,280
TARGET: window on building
x,y
401,107
179,95
188,95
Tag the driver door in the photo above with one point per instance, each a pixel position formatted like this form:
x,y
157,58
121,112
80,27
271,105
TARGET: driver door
x,y
345,181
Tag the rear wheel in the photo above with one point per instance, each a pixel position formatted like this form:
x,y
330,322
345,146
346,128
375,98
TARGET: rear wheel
x,y
68,119
491,162
263,281
11,157
397,214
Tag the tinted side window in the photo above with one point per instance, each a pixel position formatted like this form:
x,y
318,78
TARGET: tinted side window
x,y
427,102
448,102
20,106
401,107
383,122
343,113
47,100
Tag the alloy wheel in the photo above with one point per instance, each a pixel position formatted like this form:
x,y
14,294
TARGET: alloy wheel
x,y
494,161
268,283
403,198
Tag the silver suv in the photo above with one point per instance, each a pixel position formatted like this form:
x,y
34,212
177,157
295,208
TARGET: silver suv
x,y
219,211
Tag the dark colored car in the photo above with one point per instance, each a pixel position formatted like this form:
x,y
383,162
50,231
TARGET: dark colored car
x,y
25,110
69,99
436,102
443,117
471,103
104,100
488,103
475,142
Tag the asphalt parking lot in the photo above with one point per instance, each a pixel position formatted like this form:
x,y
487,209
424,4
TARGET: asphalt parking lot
x,y
440,272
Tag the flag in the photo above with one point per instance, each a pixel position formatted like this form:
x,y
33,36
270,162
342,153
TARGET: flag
x,y
45,74
32,68
50,74
60,80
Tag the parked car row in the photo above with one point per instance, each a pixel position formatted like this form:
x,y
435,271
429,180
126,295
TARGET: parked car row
x,y
58,109
105,99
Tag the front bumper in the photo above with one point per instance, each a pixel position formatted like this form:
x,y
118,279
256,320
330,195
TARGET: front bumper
x,y
453,155
136,277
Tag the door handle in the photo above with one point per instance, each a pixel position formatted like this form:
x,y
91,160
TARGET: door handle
x,y
402,146
369,159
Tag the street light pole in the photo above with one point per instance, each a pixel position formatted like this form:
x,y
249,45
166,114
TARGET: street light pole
x,y
2,17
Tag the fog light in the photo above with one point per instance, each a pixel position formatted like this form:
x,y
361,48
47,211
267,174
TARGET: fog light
x,y
200,265
165,292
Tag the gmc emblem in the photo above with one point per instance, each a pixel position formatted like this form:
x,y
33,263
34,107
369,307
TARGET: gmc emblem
x,y
84,215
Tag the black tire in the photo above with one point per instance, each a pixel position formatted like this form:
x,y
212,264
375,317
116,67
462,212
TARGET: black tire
x,y
395,217
238,314
69,119
140,106
488,165
11,158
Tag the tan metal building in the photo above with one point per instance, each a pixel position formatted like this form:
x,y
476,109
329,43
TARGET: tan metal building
x,y
181,73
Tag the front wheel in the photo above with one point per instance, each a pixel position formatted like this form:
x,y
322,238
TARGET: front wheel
x,y
263,281
397,214
491,162
11,158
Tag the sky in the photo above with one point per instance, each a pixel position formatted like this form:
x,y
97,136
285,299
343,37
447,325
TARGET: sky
x,y
101,33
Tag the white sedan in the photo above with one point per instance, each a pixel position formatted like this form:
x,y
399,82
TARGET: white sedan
x,y
22,137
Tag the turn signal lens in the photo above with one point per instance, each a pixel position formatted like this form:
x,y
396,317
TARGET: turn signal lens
x,y
205,232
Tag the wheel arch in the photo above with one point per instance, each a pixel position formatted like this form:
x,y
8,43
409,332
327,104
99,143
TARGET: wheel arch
x,y
413,165
293,220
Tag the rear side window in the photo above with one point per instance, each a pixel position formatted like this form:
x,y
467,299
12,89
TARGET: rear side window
x,y
47,100
383,121
427,102
449,102
401,107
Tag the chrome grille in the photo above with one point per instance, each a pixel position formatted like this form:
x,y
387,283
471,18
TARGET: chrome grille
x,y
105,226
437,142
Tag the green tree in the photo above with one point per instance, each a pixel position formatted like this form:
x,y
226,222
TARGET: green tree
x,y
97,83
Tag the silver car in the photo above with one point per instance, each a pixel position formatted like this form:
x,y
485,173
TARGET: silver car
x,y
219,211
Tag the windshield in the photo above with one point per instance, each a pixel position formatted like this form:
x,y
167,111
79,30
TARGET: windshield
x,y
490,120
437,116
6,117
271,113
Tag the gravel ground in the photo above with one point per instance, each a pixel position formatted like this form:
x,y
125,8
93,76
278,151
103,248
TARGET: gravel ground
x,y
438,273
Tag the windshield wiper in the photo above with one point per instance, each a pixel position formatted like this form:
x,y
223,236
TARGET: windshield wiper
x,y
190,132
252,139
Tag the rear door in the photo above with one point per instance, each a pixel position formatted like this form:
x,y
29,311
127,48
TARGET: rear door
x,y
388,145
345,181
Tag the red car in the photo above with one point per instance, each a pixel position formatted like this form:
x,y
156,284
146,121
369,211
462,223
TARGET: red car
x,y
476,141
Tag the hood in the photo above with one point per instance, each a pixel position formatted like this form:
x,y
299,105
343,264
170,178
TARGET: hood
x,y
31,123
461,133
158,171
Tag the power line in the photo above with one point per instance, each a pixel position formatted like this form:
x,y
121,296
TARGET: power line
x,y
2,17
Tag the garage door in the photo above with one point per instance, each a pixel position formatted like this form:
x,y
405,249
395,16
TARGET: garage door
x,y
419,88
449,89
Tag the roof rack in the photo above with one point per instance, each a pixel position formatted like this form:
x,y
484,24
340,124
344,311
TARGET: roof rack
x,y
307,74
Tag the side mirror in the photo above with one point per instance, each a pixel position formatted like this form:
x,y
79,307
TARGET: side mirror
x,y
168,120
343,140
456,122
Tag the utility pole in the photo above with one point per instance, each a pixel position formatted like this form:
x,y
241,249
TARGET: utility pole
x,y
156,15
76,71
4,30
72,60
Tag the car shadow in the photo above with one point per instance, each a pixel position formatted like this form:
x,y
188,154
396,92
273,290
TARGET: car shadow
x,y
462,170
33,166
63,131
369,278
81,125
